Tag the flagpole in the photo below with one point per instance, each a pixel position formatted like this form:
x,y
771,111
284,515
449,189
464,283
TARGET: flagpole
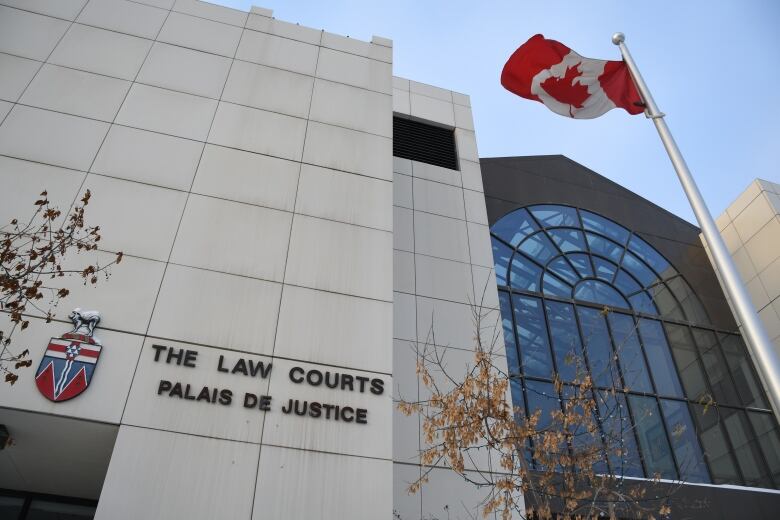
x,y
761,349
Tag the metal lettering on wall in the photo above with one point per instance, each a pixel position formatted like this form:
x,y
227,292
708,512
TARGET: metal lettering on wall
x,y
259,369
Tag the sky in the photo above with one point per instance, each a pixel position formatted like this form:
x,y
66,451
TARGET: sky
x,y
711,65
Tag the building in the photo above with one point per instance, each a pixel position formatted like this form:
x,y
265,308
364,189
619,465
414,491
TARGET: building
x,y
293,218
750,227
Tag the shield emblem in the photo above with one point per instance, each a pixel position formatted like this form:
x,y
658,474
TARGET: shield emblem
x,y
67,366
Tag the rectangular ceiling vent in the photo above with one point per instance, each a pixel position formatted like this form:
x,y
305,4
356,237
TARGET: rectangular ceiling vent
x,y
424,143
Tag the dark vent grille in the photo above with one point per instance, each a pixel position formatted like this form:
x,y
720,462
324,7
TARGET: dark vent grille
x,y
424,143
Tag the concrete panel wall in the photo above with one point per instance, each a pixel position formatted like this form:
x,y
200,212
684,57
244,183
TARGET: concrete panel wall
x,y
750,226
443,265
244,166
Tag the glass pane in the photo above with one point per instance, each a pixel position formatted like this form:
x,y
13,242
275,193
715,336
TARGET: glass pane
x,y
604,247
524,274
746,449
641,302
553,286
565,341
563,269
514,227
659,358
691,306
632,362
542,397
666,303
597,223
619,439
653,258
597,291
512,359
626,283
501,257
539,248
598,348
687,358
769,440
750,391
640,271
45,510
549,215
604,269
581,263
585,437
715,445
715,367
532,336
10,507
656,451
568,239
516,387
684,441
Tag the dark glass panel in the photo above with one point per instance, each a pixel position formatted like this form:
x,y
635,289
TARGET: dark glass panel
x,y
596,291
563,269
690,458
10,507
524,274
715,446
597,223
715,367
746,449
568,240
549,215
512,358
659,357
532,336
516,387
769,439
604,269
666,303
538,247
626,283
604,247
653,258
581,263
501,257
565,339
689,302
632,362
553,286
641,302
620,442
47,510
750,391
640,271
687,358
598,348
650,430
542,397
584,437
514,227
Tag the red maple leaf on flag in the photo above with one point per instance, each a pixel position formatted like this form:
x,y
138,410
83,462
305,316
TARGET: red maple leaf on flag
x,y
565,90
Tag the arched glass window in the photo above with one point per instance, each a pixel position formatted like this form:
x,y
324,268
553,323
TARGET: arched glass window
x,y
580,292
579,255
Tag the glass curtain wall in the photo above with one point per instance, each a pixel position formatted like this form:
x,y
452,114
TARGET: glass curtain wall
x,y
580,293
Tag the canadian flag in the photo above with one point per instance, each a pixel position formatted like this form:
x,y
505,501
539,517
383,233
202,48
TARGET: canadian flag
x,y
570,85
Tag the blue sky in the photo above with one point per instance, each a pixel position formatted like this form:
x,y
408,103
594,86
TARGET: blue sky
x,y
713,68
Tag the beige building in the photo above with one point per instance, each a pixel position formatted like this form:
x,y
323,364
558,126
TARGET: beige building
x,y
750,226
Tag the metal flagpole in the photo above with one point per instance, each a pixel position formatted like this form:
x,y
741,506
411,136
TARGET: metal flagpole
x,y
761,349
